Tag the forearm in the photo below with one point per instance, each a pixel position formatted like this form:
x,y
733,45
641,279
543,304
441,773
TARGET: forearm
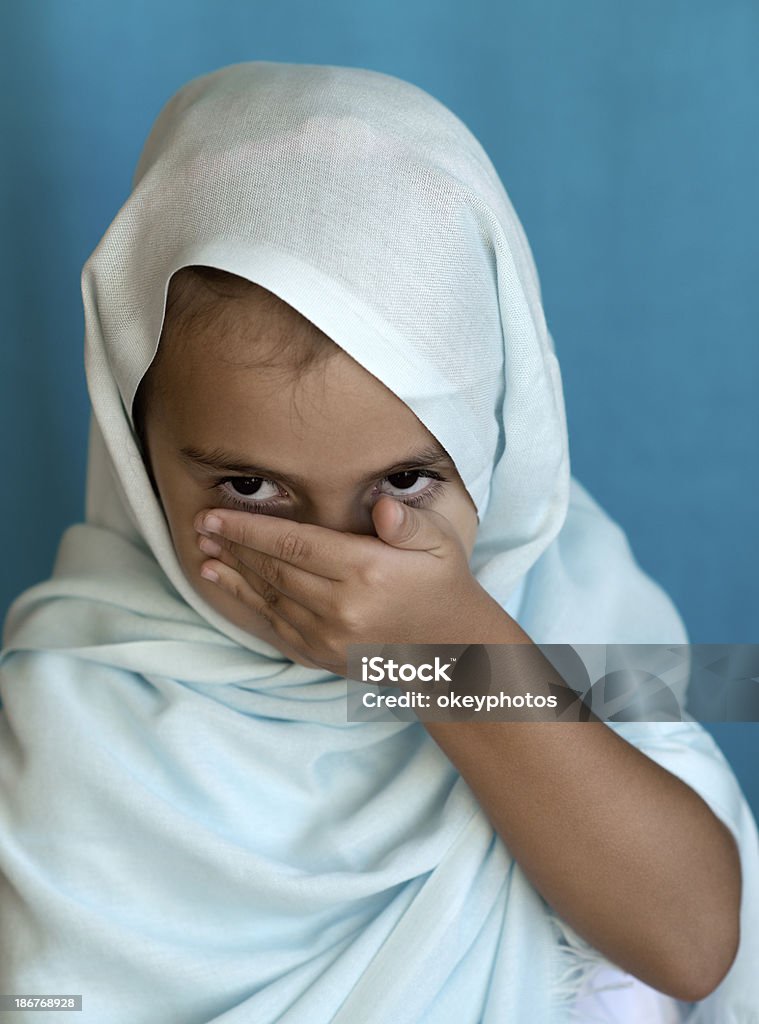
x,y
631,857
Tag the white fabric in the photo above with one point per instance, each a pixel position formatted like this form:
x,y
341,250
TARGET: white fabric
x,y
191,830
626,1000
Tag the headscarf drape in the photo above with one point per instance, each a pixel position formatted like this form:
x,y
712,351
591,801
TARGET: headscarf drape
x,y
191,830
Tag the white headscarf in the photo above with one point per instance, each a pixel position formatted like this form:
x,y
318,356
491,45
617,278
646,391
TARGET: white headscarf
x,y
192,829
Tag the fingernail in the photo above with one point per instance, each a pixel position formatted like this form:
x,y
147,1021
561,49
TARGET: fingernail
x,y
210,574
213,523
198,523
209,546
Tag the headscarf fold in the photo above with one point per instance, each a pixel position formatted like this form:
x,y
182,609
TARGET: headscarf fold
x,y
190,828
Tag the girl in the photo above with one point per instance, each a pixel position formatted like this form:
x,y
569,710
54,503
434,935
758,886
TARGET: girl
x,y
327,410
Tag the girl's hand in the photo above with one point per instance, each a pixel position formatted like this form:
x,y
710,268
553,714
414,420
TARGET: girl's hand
x,y
321,589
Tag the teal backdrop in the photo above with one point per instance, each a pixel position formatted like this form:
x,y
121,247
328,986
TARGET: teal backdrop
x,y
626,135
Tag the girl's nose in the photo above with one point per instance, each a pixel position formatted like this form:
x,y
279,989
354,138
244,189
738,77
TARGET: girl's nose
x,y
340,516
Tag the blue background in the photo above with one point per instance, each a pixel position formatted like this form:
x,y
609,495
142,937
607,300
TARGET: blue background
x,y
626,138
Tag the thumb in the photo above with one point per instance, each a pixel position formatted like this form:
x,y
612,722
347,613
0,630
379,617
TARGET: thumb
x,y
403,526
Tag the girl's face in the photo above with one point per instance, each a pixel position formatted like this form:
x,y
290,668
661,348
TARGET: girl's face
x,y
320,448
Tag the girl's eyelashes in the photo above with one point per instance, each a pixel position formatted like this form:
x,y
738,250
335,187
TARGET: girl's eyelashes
x,y
401,484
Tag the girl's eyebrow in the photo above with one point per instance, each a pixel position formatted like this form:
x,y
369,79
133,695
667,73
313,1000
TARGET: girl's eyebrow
x,y
229,462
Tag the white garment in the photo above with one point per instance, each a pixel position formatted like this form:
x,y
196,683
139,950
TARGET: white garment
x,y
628,1002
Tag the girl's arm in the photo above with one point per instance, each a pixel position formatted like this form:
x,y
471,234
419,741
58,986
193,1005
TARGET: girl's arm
x,y
628,854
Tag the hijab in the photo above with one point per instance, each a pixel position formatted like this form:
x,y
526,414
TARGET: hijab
x,y
192,830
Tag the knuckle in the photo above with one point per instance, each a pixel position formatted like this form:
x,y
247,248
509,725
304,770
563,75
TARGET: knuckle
x,y
269,594
264,614
333,645
351,620
291,547
373,576
235,585
269,570
347,621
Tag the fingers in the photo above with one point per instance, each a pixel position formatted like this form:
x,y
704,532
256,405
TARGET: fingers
x,y
311,548
283,587
285,616
270,576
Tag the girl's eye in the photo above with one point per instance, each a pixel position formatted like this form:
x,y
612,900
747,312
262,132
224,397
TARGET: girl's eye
x,y
259,491
406,484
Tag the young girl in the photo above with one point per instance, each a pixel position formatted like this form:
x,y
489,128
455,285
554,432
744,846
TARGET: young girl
x,y
317,317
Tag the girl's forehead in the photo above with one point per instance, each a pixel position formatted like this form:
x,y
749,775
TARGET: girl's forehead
x,y
242,324
335,401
